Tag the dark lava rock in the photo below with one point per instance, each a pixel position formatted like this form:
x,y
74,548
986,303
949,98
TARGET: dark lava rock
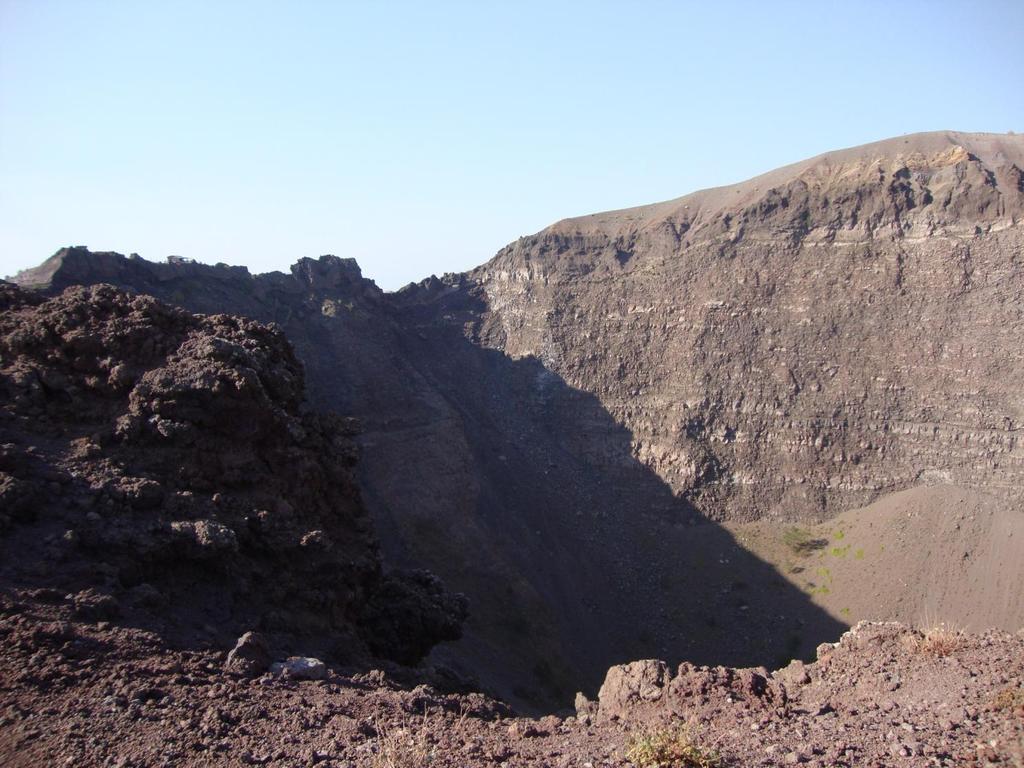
x,y
250,657
94,606
184,458
408,608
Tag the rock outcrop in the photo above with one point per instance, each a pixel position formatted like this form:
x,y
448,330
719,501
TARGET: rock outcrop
x,y
164,468
250,657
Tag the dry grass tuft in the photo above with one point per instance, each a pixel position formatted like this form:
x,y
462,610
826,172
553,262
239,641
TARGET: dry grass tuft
x,y
670,748
406,745
941,639
405,741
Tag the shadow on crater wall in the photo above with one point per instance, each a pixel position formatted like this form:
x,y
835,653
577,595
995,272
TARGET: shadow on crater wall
x,y
514,487
575,555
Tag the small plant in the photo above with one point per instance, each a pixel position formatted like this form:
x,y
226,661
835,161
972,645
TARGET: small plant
x,y
795,538
941,639
800,542
404,745
411,741
1010,699
669,748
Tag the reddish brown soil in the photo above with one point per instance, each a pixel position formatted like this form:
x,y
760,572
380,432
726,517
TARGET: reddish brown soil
x,y
95,694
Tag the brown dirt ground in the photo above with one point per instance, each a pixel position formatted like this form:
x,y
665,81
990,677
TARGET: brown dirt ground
x,y
96,694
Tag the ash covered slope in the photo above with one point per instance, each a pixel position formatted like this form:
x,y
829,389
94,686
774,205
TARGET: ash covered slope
x,y
799,343
163,466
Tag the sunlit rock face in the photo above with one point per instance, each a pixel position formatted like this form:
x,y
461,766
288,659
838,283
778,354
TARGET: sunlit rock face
x,y
796,344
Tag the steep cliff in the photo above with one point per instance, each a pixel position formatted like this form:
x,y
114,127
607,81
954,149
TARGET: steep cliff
x,y
799,343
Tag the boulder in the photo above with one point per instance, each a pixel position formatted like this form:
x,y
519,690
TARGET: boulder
x,y
300,668
627,685
91,605
250,656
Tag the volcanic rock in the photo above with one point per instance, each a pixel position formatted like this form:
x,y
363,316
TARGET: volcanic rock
x,y
300,668
170,458
250,656
628,685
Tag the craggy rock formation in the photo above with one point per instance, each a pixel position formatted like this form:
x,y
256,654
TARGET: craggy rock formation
x,y
163,467
792,345
551,432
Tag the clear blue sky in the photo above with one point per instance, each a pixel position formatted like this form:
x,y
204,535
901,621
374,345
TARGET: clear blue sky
x,y
421,137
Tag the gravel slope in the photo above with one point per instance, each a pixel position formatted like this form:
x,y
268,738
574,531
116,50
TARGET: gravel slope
x,y
923,556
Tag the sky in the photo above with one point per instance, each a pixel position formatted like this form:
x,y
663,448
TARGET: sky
x,y
422,137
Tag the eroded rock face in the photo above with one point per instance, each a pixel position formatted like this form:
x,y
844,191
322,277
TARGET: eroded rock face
x,y
793,345
801,342
149,451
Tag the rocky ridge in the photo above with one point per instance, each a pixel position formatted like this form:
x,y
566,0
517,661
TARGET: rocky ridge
x,y
510,477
